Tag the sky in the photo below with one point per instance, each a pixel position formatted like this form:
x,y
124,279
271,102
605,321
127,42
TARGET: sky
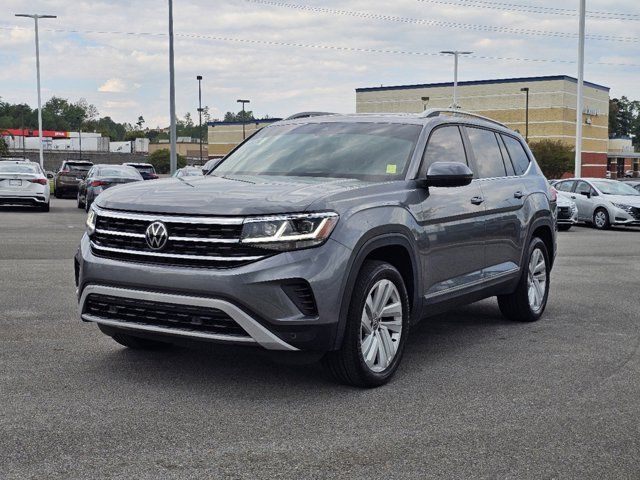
x,y
298,55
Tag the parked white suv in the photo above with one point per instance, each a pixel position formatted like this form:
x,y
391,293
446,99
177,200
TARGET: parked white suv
x,y
602,202
23,183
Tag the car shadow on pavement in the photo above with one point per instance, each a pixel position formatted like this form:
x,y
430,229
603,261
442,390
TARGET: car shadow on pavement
x,y
237,368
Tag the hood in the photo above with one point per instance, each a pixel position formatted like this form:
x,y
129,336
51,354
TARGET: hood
x,y
210,195
633,200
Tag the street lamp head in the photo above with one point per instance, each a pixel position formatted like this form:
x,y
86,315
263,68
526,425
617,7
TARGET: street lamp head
x,y
35,15
455,52
243,101
524,89
199,77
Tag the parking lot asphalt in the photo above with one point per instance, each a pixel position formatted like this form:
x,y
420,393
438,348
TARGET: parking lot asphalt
x,y
476,396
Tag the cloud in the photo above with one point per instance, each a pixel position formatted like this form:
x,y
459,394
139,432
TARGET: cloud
x,y
113,85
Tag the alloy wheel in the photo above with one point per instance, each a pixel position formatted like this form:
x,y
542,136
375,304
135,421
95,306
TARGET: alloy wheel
x,y
381,325
537,280
600,219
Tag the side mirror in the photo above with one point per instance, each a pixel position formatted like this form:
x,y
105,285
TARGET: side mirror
x,y
49,175
586,194
448,174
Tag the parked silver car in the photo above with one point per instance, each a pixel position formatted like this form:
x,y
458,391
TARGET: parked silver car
x,y
567,212
602,202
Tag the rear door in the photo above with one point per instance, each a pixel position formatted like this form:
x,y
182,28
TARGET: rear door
x,y
453,221
504,194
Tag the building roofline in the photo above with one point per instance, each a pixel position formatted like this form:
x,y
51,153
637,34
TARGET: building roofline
x,y
483,82
248,122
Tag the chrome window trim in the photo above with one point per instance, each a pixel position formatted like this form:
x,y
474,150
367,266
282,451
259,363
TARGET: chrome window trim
x,y
256,331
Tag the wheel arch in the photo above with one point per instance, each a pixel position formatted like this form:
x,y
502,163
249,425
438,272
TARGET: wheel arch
x,y
395,245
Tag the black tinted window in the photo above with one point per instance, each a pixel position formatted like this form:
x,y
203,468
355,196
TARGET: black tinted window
x,y
518,156
583,187
487,153
505,157
445,145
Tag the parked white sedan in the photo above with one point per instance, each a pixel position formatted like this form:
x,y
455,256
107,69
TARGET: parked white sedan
x,y
567,213
602,202
23,183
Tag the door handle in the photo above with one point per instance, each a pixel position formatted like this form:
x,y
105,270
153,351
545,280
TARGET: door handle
x,y
477,200
518,194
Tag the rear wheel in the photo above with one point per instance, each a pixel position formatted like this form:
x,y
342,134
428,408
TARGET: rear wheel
x,y
80,203
601,219
45,207
376,330
529,300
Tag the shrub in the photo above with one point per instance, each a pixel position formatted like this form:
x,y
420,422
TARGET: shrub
x,y
160,160
554,157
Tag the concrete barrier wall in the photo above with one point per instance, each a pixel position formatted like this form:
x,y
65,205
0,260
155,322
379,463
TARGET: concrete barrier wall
x,y
53,160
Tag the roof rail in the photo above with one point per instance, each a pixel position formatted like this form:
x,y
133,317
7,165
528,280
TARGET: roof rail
x,y
308,114
435,112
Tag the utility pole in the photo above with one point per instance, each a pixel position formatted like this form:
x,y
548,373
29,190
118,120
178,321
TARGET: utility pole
x,y
456,54
244,119
580,100
24,145
80,135
173,158
36,17
199,78
526,113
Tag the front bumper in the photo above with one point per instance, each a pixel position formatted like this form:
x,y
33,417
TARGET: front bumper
x,y
252,295
624,217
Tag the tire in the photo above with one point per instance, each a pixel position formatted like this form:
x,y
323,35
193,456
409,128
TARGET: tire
x,y
348,364
137,343
601,219
564,228
80,204
519,306
46,207
87,206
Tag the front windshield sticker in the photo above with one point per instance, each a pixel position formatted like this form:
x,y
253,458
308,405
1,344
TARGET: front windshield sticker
x,y
391,169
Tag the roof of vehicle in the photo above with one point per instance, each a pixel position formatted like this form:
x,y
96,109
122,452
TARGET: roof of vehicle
x,y
83,162
137,164
16,160
431,115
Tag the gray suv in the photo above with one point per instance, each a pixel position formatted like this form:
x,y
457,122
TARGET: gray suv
x,y
331,234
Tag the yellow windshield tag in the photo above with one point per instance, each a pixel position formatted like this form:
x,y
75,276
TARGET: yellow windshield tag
x,y
391,168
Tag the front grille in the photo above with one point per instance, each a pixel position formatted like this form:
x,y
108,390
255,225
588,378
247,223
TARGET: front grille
x,y
564,213
192,241
200,319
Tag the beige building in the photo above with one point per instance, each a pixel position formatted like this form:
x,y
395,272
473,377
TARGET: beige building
x,y
225,136
552,108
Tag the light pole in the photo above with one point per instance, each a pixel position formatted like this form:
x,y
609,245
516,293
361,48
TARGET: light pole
x,y
244,120
579,103
80,134
36,17
456,54
173,158
526,114
199,78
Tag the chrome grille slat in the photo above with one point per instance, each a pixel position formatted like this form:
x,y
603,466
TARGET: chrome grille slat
x,y
214,242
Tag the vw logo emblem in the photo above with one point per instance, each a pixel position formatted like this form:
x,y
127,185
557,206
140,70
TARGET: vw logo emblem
x,y
156,235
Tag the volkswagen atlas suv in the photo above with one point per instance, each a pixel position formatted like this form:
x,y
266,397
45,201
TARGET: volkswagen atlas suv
x,y
331,235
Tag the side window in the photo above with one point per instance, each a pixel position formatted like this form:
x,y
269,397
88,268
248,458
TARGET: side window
x,y
505,157
91,172
445,145
583,187
565,186
487,152
517,153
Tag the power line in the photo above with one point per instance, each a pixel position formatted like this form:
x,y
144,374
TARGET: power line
x,y
444,24
516,7
339,48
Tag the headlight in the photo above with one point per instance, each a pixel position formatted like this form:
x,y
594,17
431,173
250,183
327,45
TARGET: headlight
x,y
622,206
289,232
91,221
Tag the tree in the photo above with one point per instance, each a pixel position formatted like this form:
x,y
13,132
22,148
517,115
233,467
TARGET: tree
x,y
4,148
238,117
554,157
140,122
160,160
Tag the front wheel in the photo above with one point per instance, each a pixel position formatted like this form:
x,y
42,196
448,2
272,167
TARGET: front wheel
x,y
376,330
529,300
601,219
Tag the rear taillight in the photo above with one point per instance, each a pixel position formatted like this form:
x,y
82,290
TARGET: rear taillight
x,y
41,181
97,183
153,175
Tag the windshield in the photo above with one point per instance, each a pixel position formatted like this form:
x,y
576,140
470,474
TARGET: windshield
x,y
615,188
118,173
17,168
365,151
144,169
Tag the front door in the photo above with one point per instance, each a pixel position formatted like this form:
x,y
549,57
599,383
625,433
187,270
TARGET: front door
x,y
453,222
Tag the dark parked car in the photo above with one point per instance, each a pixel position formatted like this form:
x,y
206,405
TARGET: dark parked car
x,y
101,177
147,170
67,179
328,235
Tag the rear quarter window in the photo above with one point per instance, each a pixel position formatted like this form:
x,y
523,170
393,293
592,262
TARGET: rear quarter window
x,y
518,155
